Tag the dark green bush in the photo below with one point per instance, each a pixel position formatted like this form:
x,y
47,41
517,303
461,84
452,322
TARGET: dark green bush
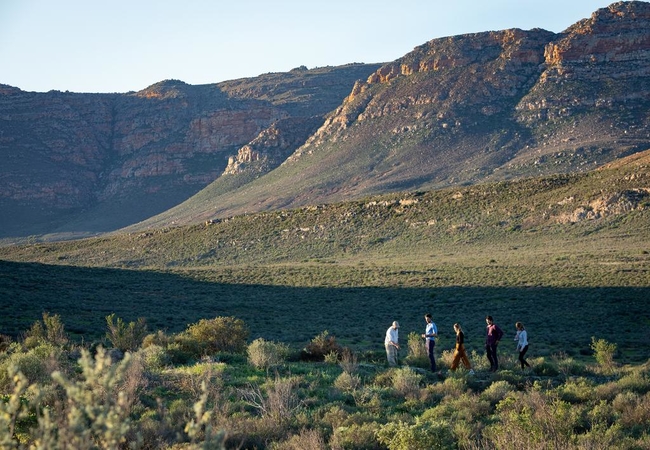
x,y
125,337
321,346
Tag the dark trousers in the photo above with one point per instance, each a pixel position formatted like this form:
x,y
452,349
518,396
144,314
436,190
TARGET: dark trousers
x,y
491,352
522,360
431,344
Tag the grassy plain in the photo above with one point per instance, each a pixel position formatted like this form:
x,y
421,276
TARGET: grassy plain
x,y
352,269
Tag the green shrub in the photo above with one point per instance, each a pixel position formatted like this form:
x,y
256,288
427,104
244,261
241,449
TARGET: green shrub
x,y
634,410
567,366
54,330
577,390
320,346
417,352
278,402
497,391
263,354
49,330
183,349
604,353
36,365
158,338
635,382
347,382
533,420
5,343
434,435
306,439
221,334
452,386
125,337
356,436
406,382
332,358
546,369
349,361
155,358
467,407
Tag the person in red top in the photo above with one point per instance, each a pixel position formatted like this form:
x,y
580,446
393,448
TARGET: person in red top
x,y
493,335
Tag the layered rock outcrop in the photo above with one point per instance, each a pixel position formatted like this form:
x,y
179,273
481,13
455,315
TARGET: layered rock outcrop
x,y
130,156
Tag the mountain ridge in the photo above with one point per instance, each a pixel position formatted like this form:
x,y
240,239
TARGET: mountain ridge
x,y
455,111
464,109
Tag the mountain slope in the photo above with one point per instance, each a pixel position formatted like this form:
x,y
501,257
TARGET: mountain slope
x,y
608,208
75,163
466,109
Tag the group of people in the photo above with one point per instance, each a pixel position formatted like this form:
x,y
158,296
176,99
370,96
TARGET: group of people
x,y
493,335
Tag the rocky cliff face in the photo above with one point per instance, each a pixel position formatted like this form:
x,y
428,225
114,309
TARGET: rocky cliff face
x,y
120,158
500,104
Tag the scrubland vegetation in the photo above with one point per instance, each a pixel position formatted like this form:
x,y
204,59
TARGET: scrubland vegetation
x,y
266,331
210,386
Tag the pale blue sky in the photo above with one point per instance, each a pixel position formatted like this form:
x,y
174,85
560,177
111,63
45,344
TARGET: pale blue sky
x,y
127,45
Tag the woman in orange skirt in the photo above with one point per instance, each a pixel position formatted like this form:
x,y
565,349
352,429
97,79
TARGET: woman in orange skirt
x,y
459,353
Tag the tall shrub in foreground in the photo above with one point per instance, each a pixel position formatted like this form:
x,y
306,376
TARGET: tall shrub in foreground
x,y
92,413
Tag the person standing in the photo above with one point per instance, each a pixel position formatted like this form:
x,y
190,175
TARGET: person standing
x,y
430,334
459,353
493,335
522,344
392,343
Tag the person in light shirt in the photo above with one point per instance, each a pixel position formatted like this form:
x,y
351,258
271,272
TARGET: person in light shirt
x,y
392,343
430,335
522,344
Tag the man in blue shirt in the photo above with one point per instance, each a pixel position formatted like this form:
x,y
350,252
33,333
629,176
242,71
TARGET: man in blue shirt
x,y
430,334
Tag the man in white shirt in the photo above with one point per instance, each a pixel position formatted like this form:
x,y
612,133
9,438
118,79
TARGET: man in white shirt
x,y
392,343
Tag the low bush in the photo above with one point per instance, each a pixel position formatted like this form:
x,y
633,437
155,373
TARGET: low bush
x,y
349,361
320,346
406,382
36,365
5,342
221,334
347,382
155,358
356,437
264,354
417,352
434,435
497,391
306,439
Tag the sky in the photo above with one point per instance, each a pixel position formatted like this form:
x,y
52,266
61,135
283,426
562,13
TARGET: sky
x,y
126,45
